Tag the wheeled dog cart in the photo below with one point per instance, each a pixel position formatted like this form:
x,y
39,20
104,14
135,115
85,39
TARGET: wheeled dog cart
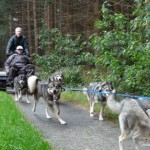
x,y
3,78
3,83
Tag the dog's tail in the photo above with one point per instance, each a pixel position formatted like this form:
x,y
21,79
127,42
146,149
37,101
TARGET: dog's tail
x,y
32,81
112,104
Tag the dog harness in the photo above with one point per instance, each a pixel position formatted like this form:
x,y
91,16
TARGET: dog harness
x,y
143,107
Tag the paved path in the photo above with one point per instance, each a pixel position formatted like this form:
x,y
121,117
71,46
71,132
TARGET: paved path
x,y
81,132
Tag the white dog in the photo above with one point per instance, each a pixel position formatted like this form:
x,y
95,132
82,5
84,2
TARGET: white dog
x,y
134,118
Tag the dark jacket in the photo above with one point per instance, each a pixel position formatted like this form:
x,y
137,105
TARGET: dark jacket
x,y
15,41
17,60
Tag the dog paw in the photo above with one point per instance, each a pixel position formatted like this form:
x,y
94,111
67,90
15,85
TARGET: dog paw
x,y
101,119
91,115
28,102
16,100
62,122
33,110
48,117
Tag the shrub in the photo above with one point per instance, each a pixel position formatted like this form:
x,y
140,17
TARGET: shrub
x,y
123,48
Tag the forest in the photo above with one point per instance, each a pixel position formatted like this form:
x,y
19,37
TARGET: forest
x,y
89,40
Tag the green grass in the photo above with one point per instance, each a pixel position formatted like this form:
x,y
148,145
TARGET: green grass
x,y
80,99
16,133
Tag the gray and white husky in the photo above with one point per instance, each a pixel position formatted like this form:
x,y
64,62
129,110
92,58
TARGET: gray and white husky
x,y
50,91
20,87
57,76
94,97
134,118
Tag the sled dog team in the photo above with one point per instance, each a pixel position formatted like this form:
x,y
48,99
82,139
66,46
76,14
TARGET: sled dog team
x,y
134,115
50,90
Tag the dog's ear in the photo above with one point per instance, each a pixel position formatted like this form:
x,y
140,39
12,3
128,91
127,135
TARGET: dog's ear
x,y
104,83
111,84
98,87
101,85
62,75
60,72
50,79
114,91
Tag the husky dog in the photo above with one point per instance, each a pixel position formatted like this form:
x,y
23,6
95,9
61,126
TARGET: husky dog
x,y
20,86
134,118
97,97
57,76
50,91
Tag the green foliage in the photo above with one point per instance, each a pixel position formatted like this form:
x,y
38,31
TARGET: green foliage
x,y
65,54
50,64
120,51
64,51
73,76
123,48
48,2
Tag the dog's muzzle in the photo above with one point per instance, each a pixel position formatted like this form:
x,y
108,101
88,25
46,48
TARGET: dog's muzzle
x,y
21,83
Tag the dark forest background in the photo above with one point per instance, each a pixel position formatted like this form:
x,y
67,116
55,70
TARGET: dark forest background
x,y
90,40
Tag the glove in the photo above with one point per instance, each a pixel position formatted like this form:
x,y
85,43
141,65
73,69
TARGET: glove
x,y
7,70
26,54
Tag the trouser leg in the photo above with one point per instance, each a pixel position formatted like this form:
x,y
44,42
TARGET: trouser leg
x,y
21,71
12,74
29,70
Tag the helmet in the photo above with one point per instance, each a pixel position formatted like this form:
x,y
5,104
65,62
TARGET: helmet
x,y
19,48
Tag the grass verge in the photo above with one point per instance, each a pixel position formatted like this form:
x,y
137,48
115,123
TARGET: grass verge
x,y
80,99
15,131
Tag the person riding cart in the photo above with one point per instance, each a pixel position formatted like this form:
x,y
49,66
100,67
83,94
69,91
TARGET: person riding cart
x,y
16,64
16,40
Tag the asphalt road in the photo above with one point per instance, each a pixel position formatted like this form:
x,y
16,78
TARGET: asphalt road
x,y
81,131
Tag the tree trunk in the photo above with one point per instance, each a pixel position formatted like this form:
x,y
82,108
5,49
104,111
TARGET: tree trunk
x,y
35,27
29,27
10,25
